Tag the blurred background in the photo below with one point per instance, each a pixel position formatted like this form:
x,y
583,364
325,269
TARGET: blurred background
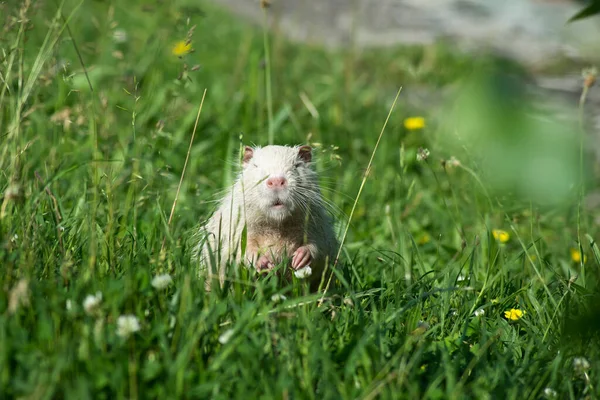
x,y
534,32
534,36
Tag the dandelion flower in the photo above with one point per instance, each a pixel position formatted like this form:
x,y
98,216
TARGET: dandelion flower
x,y
414,123
422,154
304,272
580,364
576,256
500,235
226,336
181,48
126,325
162,281
424,239
514,314
91,302
479,312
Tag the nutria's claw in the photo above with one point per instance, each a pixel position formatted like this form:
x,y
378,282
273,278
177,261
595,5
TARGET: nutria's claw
x,y
301,258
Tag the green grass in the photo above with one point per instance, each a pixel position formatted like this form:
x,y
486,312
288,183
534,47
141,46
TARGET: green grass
x,y
88,179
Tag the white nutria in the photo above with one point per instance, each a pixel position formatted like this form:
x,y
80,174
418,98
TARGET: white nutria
x,y
277,197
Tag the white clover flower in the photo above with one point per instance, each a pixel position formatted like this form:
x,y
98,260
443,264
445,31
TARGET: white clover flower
x,y
126,325
225,336
479,312
91,302
550,393
69,305
304,272
278,297
580,364
162,281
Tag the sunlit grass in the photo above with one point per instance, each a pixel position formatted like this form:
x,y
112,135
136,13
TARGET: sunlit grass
x,y
454,280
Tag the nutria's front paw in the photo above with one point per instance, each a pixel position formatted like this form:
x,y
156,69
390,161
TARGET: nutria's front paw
x,y
264,264
301,258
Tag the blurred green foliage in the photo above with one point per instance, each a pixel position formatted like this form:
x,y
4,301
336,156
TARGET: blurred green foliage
x,y
591,9
521,151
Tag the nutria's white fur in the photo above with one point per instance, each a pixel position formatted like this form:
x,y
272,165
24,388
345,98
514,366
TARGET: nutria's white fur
x,y
277,197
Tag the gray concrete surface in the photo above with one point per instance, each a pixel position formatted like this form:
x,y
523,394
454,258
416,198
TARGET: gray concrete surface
x,y
531,31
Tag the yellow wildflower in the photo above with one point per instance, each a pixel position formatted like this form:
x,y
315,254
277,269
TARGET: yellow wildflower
x,y
500,235
424,239
414,123
514,314
576,256
181,48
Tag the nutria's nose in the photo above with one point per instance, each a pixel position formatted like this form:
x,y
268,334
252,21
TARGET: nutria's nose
x,y
276,182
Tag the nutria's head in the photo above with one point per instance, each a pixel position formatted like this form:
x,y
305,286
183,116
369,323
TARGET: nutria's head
x,y
278,181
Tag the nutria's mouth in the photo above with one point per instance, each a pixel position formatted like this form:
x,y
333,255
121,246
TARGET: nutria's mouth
x,y
278,204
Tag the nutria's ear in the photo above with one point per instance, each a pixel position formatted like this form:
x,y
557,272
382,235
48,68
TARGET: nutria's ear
x,y
305,153
248,154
